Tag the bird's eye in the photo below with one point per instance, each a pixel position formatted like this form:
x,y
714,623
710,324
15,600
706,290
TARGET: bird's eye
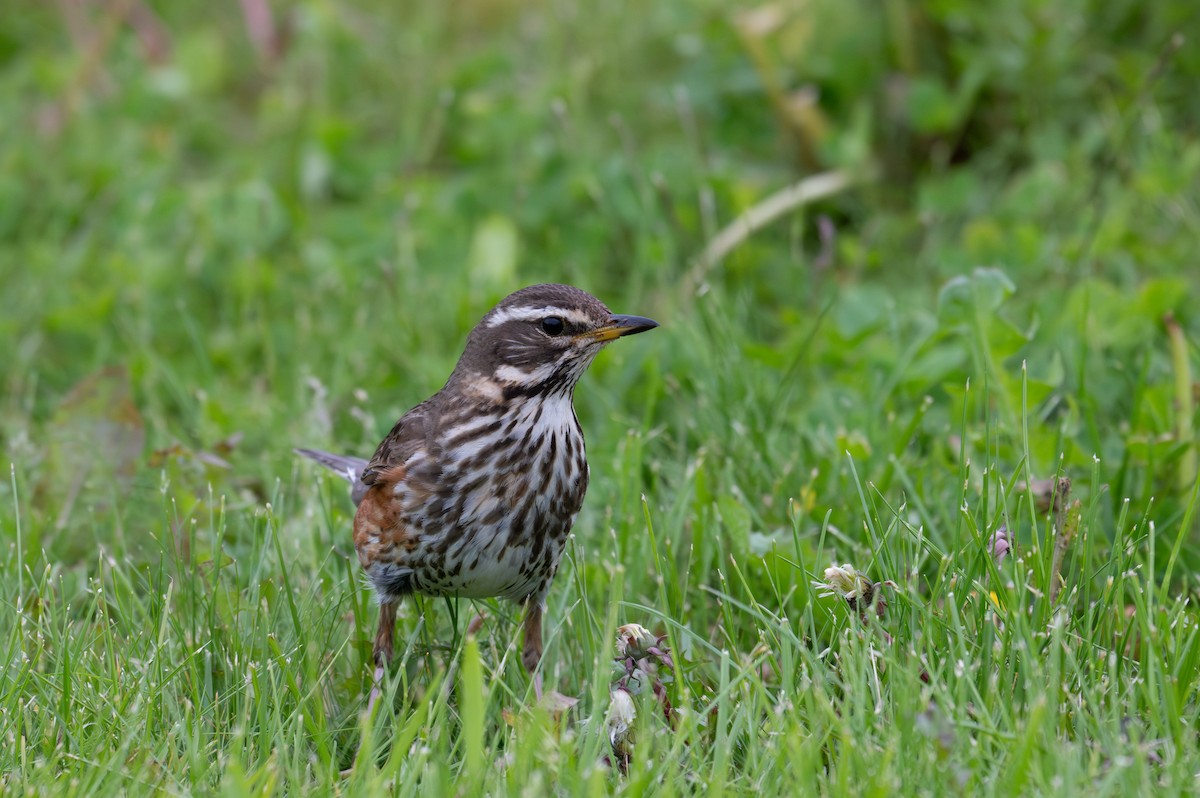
x,y
552,325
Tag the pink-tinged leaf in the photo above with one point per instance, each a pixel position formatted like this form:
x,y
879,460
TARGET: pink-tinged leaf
x,y
556,703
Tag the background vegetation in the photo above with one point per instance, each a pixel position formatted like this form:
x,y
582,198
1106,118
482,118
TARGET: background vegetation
x,y
231,228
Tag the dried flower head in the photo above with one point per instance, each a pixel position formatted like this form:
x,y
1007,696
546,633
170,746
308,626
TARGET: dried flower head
x,y
643,664
845,582
635,640
622,712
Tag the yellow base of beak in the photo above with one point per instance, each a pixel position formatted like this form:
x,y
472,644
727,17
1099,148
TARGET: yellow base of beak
x,y
620,326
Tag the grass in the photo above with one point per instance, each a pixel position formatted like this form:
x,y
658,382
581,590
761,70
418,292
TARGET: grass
x,y
216,244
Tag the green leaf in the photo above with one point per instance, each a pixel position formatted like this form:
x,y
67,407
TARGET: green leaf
x,y
860,309
94,441
983,291
931,108
736,520
492,263
472,707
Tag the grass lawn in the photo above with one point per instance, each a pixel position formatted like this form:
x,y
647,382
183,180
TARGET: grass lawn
x,y
228,229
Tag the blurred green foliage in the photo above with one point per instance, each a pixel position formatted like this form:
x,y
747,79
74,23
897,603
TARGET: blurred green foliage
x,y
218,241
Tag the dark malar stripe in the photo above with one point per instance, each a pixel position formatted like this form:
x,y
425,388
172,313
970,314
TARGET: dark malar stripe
x,y
560,384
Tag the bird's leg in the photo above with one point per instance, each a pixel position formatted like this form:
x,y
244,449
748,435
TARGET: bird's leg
x,y
476,623
531,653
384,637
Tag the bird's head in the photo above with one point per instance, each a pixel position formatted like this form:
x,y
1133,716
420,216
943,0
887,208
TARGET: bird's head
x,y
541,339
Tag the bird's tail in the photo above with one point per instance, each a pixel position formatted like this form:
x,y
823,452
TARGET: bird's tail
x,y
347,467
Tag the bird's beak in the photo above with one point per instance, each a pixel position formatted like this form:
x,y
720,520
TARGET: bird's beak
x,y
618,326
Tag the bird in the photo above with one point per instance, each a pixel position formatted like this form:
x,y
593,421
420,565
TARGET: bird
x,y
474,491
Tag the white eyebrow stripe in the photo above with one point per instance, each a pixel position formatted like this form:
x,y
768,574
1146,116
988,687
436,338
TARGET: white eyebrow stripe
x,y
527,313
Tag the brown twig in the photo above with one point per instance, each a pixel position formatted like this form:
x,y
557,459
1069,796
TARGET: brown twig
x,y
809,190
1066,524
